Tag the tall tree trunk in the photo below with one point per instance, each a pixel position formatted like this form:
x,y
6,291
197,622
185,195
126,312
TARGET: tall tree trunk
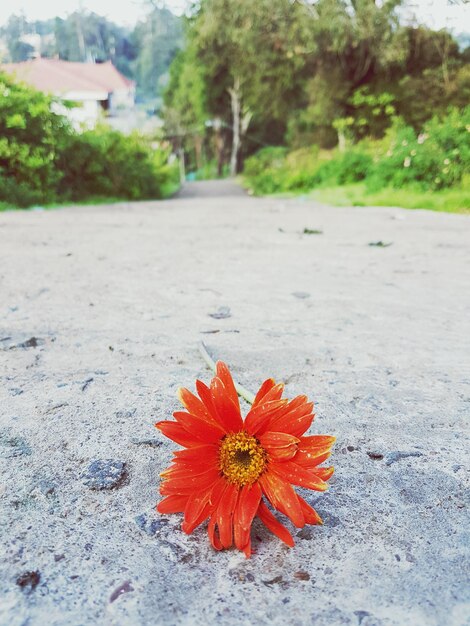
x,y
182,165
219,147
341,139
236,98
198,151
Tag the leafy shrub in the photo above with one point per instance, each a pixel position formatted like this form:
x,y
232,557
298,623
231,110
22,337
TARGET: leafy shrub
x,y
18,194
303,170
208,171
103,162
271,157
42,159
28,138
437,158
265,170
352,167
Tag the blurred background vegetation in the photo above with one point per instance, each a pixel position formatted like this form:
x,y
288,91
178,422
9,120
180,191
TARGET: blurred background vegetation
x,y
317,95
142,53
347,100
44,159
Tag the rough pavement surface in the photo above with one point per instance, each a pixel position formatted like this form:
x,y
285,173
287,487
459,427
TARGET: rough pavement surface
x,y
101,309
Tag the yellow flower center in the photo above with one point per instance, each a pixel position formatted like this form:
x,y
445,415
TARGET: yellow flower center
x,y
241,458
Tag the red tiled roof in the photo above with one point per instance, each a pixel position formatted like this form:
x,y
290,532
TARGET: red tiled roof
x,y
56,76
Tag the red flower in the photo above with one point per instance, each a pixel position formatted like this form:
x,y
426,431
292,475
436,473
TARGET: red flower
x,y
228,464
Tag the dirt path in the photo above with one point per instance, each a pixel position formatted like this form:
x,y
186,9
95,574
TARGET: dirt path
x,y
101,309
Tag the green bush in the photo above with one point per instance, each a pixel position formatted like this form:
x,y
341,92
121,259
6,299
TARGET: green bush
x,y
266,170
437,158
353,167
29,134
276,171
43,160
271,157
103,162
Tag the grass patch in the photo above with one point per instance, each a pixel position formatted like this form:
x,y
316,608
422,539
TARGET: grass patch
x,y
445,200
168,190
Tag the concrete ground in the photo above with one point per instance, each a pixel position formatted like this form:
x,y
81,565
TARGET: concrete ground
x,y
101,310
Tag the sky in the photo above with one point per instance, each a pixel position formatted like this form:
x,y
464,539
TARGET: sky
x,y
435,13
124,12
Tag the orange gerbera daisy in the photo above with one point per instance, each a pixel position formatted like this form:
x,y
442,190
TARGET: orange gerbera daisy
x,y
228,464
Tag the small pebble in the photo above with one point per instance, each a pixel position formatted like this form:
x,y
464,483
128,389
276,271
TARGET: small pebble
x,y
222,313
126,587
148,526
105,474
28,580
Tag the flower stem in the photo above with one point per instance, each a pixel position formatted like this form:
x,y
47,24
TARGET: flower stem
x,y
244,393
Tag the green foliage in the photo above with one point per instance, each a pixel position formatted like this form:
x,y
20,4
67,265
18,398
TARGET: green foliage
x,y
208,171
267,171
436,158
156,41
327,72
372,113
143,53
454,200
186,113
272,157
28,144
103,162
272,170
43,160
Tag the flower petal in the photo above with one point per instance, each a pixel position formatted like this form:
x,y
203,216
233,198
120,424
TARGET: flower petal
x,y
203,430
224,515
217,491
198,453
247,549
196,511
259,418
248,502
274,393
183,469
312,459
229,414
263,390
325,473
282,496
213,535
298,475
311,516
194,405
280,446
177,433
172,504
206,398
225,376
295,421
316,441
274,525
186,485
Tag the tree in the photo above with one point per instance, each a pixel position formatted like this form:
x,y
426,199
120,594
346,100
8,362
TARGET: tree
x,y
157,39
29,136
298,71
186,113
144,53
251,53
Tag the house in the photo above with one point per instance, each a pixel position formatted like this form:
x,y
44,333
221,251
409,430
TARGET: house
x,y
98,88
